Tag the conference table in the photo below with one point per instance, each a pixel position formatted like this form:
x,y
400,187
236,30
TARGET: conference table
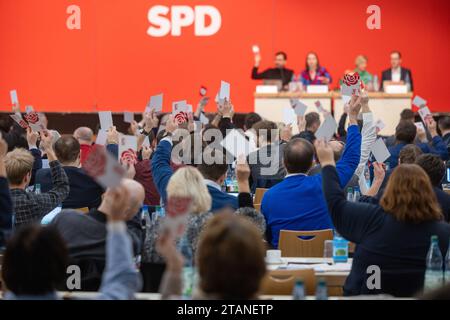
x,y
335,275
385,107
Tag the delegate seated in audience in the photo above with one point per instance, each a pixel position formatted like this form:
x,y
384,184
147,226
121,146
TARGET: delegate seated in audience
x,y
85,234
30,207
297,202
230,261
214,174
13,134
6,205
85,137
144,173
407,155
308,127
250,120
266,163
395,235
36,259
444,126
405,115
84,191
406,132
188,182
435,169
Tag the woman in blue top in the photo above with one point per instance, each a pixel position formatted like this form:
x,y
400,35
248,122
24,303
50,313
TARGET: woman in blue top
x,y
393,237
314,72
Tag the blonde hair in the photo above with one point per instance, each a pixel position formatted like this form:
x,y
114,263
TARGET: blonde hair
x,y
360,59
18,163
188,182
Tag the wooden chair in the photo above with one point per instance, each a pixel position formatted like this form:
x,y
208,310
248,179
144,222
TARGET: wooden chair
x,y
257,207
292,245
281,282
259,194
83,210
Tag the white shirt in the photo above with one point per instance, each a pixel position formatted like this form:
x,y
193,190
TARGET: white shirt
x,y
396,74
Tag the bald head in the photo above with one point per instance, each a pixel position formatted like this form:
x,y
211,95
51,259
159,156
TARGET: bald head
x,y
137,196
298,156
84,135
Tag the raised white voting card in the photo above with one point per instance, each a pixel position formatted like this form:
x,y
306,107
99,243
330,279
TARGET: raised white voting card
x,y
156,103
101,137
327,129
14,98
106,120
236,144
380,151
289,116
419,102
224,92
128,117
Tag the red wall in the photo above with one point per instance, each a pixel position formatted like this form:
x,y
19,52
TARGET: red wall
x,y
111,63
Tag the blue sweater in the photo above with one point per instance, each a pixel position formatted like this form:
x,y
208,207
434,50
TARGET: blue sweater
x,y
162,171
438,147
297,203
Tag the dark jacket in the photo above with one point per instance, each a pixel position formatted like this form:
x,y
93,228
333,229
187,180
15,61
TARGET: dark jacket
x,y
405,73
398,248
84,191
85,236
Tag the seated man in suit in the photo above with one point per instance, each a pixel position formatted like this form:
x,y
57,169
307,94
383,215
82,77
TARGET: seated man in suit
x,y
297,203
84,191
266,163
86,234
214,174
397,73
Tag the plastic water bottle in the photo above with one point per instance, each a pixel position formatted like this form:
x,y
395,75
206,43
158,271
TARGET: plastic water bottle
x,y
350,194
321,290
188,269
356,194
376,85
37,188
447,266
299,290
408,82
340,249
145,216
434,273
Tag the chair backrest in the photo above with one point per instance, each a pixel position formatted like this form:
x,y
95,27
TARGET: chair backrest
x,y
259,194
257,207
303,243
281,282
83,210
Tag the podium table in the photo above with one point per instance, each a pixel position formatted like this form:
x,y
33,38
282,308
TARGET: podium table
x,y
385,107
270,105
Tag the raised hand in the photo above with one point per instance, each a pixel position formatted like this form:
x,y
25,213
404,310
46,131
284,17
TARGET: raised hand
x,y
431,125
146,152
165,246
242,174
354,107
32,138
286,133
117,200
112,136
379,170
324,152
171,124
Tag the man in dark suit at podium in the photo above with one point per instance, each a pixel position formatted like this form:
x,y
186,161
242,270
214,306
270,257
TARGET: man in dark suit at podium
x,y
278,73
396,73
